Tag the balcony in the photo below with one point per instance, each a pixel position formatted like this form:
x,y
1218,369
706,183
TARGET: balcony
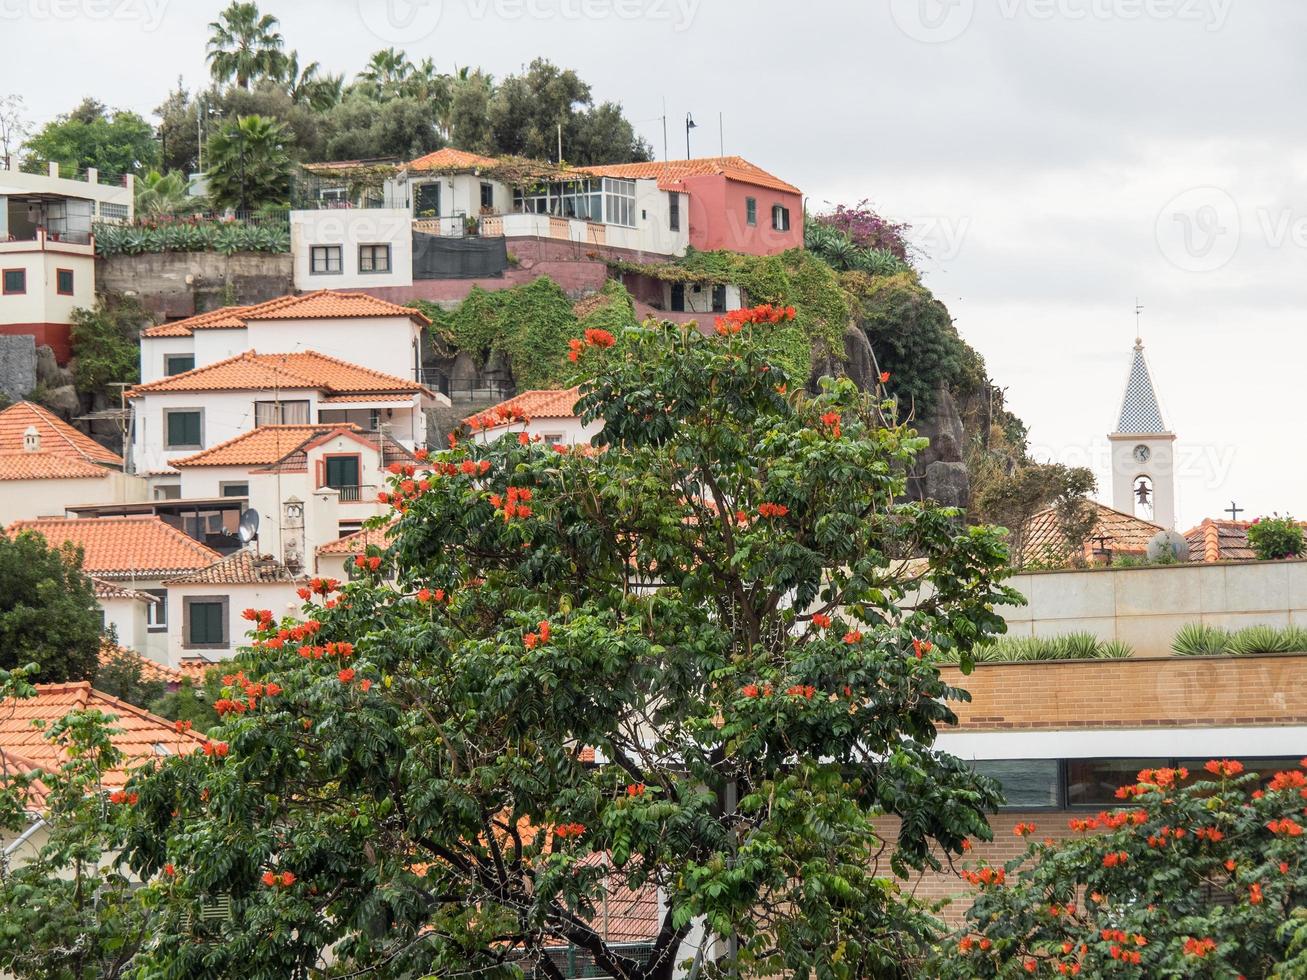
x,y
354,495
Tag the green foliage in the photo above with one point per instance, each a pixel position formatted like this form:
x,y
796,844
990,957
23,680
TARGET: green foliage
x,y
158,193
360,128
249,164
67,906
122,676
1201,879
424,784
244,45
48,611
120,142
106,342
531,324
1011,500
193,235
840,252
912,334
1070,646
1275,537
192,704
1201,640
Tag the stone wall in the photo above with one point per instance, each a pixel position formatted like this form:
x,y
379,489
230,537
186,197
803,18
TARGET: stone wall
x,y
1146,607
181,284
17,366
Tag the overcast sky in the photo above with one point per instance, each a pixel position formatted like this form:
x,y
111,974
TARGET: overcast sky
x,y
1057,157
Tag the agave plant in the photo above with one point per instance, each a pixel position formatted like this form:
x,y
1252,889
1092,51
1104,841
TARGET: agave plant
x,y
1200,640
1267,639
1071,646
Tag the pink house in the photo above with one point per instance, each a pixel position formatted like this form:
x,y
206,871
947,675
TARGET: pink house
x,y
733,204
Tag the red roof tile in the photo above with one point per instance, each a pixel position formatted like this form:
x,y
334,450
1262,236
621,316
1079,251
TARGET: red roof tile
x,y
48,466
108,590
252,371
151,670
124,547
141,736
1221,541
450,159
58,438
732,168
536,404
356,543
263,446
239,568
322,304
1125,534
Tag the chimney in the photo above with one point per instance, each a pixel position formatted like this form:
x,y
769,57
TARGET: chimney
x,y
31,440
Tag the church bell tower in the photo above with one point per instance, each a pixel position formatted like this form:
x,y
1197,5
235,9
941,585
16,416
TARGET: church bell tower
x,y
1143,450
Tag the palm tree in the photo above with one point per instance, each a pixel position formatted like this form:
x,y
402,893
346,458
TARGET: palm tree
x,y
386,72
249,164
308,86
244,45
158,193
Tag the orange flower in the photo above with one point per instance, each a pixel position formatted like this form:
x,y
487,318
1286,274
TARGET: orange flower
x,y
853,636
635,789
269,878
821,620
365,685
169,870
749,690
287,879
1224,767
1023,829
884,377
772,510
346,675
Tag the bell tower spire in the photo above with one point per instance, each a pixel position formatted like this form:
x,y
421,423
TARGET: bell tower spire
x,y
1143,449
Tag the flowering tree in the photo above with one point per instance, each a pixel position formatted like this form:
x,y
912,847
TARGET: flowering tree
x,y
1191,879
682,661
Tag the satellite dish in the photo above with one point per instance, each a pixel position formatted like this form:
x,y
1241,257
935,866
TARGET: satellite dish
x,y
249,529
1168,545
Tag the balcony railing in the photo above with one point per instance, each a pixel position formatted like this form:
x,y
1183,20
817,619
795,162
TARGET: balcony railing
x,y
353,495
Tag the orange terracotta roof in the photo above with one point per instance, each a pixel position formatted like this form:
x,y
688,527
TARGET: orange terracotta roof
x,y
48,466
58,438
151,670
124,547
37,792
732,168
239,568
449,159
321,304
536,404
195,668
1125,535
1221,541
356,543
252,371
141,736
108,590
263,446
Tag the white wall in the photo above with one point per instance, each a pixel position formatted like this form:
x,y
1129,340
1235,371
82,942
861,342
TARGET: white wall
x,y
127,617
280,597
42,303
225,414
153,351
382,343
207,481
568,432
459,194
18,183
1146,607
217,344
23,500
349,228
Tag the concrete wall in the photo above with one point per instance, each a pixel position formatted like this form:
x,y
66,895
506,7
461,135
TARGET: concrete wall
x,y
1146,607
180,284
383,343
349,228
24,500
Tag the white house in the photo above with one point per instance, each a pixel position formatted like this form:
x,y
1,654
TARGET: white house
x,y
549,414
180,415
335,559
47,466
310,484
206,621
129,613
137,554
354,327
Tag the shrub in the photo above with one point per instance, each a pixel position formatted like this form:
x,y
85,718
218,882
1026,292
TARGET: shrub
x,y
1199,640
1275,537
1070,646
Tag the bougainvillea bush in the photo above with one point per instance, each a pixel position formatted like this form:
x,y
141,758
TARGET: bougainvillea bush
x,y
680,659
1275,537
1196,875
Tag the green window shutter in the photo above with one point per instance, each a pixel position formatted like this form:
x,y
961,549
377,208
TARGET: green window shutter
x,y
206,625
184,429
342,471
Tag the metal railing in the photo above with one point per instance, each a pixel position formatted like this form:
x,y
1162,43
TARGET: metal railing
x,y
353,495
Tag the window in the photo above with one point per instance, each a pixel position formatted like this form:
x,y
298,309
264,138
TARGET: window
x,y
233,489
426,202
487,196
1029,784
552,438
169,491
341,473
156,613
115,212
281,413
751,210
333,195
324,260
15,282
1094,782
63,282
678,297
183,428
178,364
345,528
204,621
780,218
719,299
619,202
674,210
374,258
581,199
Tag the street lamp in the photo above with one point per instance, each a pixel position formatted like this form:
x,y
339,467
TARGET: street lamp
x,y
689,125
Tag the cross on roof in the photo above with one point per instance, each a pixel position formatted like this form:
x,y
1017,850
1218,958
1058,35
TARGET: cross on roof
x,y
1234,510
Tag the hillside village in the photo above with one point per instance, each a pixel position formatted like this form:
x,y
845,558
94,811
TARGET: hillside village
x,y
266,428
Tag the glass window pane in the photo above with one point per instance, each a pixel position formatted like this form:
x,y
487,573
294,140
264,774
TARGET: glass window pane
x,y
183,429
1094,782
1026,783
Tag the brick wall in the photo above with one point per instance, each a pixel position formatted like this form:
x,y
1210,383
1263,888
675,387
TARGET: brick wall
x,y
1136,693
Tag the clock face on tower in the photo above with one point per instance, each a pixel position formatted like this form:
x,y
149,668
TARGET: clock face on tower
x,y
1143,454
